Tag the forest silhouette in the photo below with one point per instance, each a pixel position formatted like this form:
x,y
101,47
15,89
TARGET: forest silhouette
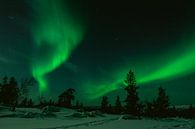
x,y
14,94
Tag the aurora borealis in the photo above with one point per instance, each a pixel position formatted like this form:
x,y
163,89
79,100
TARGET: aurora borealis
x,y
91,45
57,29
180,66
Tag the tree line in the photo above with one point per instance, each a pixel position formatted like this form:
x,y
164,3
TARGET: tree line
x,y
160,107
15,94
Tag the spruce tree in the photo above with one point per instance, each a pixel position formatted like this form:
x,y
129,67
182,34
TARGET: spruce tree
x,y
9,92
118,106
161,105
104,104
132,99
66,98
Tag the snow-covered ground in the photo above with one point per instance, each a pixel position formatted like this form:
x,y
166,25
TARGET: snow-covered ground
x,y
70,119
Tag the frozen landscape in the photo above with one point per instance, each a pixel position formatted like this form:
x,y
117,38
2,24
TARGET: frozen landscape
x,y
97,64
61,118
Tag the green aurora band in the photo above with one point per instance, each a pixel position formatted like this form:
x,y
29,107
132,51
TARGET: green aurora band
x,y
178,66
56,28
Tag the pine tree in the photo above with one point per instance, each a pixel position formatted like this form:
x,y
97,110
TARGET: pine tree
x,y
66,98
9,92
25,86
132,99
118,106
104,104
161,105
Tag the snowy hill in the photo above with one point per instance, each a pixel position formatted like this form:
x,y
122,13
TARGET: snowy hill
x,y
61,118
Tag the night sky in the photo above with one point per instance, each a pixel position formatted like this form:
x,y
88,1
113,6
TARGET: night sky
x,y
91,45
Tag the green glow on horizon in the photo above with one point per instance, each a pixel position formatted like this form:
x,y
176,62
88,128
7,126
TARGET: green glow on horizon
x,y
176,68
55,28
168,70
102,89
107,86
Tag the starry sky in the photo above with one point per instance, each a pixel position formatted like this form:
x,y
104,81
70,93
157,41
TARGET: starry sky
x,y
91,45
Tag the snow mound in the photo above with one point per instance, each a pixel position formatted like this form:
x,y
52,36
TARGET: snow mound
x,y
86,114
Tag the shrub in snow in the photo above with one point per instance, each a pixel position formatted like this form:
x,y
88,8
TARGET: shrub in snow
x,y
31,115
38,115
49,114
90,114
51,109
129,117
